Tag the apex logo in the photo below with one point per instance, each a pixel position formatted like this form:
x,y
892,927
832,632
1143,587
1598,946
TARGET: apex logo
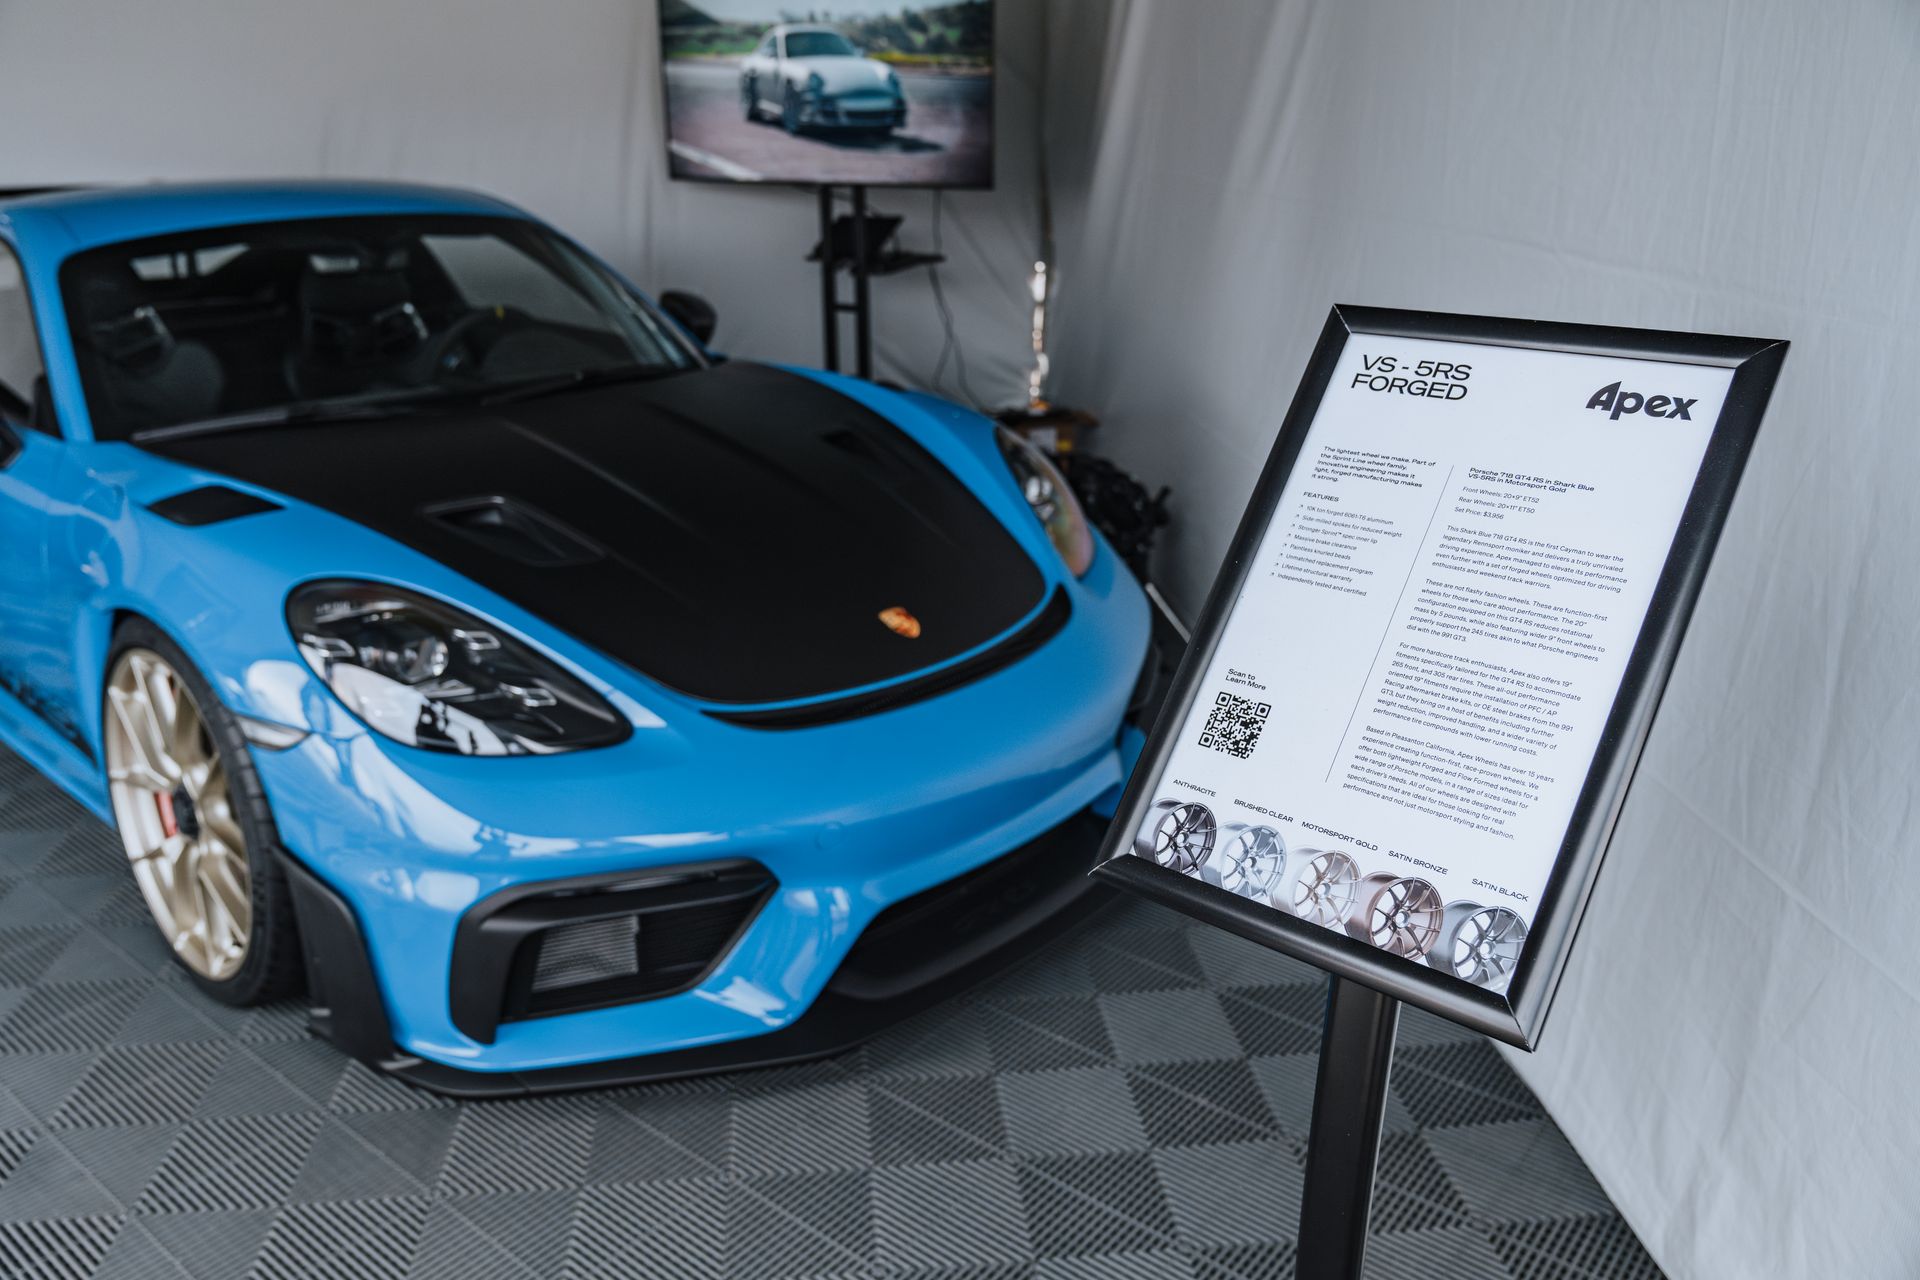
x,y
1616,402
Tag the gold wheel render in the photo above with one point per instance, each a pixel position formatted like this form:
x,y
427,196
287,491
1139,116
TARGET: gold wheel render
x,y
174,806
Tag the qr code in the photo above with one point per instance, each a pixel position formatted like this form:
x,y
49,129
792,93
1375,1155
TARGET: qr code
x,y
1235,724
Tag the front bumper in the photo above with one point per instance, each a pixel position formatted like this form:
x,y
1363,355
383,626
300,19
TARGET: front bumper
x,y
853,111
917,952
848,819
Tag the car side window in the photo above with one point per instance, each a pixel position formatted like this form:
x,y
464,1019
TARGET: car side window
x,y
19,344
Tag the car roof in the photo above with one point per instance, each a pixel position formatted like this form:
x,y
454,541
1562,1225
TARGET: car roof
x,y
786,28
73,220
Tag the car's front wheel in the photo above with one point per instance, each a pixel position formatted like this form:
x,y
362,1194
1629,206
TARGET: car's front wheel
x,y
790,110
193,819
750,99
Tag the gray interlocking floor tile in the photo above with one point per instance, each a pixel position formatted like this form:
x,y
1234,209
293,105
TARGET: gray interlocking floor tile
x,y
794,1225
198,1246
1598,1247
50,1182
1084,1111
934,1215
946,1042
1229,961
816,1129
1191,1103
343,1240
142,1084
929,1121
248,1162
523,1145
1168,1026
1275,1021
1131,1105
1155,1264
521,1233
1046,1035
65,1248
1517,1171
1450,1253
1233,1193
1095,1204
669,1229
1466,1083
1270,1261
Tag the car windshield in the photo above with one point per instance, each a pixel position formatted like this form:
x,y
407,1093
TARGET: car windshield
x,y
819,44
293,317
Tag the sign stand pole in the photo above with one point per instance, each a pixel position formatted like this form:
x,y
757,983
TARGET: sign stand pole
x,y
1343,1146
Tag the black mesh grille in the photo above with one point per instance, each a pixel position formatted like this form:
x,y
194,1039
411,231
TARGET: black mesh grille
x,y
663,943
586,945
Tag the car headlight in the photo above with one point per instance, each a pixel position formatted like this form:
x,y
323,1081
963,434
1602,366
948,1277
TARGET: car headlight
x,y
815,84
427,674
1051,498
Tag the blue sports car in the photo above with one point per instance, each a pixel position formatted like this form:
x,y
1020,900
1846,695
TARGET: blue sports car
x,y
446,630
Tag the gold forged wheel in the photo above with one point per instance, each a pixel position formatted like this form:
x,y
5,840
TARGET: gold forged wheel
x,y
173,802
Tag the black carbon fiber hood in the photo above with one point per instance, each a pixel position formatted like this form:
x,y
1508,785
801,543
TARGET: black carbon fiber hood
x,y
732,532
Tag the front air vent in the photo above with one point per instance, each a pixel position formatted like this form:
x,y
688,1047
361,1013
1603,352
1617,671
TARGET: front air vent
x,y
209,504
520,532
566,948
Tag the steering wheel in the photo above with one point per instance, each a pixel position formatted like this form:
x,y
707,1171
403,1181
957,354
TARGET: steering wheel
x,y
462,346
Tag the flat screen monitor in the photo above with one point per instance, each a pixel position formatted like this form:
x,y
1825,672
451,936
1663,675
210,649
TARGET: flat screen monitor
x,y
868,93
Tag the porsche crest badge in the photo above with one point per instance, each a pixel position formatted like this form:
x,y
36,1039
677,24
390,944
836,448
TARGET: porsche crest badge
x,y
901,623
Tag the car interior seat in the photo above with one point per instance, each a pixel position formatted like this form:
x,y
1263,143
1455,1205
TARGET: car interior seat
x,y
149,377
359,331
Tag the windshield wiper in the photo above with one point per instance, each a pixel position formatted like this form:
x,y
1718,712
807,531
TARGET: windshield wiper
x,y
577,379
279,415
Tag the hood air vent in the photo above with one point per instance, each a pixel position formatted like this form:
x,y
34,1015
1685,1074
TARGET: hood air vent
x,y
209,504
513,529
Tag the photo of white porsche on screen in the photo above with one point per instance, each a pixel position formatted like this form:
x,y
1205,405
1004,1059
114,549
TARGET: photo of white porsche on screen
x,y
870,94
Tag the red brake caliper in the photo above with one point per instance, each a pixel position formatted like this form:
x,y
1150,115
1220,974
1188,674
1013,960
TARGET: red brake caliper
x,y
168,823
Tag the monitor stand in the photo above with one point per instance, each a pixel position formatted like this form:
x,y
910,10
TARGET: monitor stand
x,y
858,242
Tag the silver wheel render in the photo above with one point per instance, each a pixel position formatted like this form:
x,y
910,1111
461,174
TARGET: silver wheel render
x,y
1178,834
1480,944
1250,861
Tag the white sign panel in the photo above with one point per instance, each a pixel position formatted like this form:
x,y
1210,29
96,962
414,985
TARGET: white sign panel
x,y
1402,703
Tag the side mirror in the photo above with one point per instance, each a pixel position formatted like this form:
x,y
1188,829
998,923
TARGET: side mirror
x,y
693,312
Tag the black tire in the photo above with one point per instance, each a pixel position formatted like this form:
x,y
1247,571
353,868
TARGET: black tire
x,y
750,99
790,111
273,967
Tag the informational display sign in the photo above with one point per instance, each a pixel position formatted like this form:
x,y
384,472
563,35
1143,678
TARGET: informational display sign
x,y
1404,729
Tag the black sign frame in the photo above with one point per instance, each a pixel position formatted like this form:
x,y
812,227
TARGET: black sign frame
x,y
1518,1015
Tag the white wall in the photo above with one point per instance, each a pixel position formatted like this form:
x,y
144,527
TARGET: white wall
x,y
553,105
1735,1046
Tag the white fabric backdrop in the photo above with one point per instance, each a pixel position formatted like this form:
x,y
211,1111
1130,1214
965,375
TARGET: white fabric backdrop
x,y
1734,1049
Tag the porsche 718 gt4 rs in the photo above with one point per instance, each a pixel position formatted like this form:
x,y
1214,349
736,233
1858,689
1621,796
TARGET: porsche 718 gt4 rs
x,y
444,627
